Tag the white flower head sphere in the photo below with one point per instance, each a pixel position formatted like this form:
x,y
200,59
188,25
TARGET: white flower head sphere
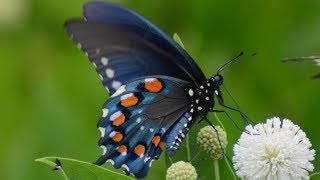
x,y
274,150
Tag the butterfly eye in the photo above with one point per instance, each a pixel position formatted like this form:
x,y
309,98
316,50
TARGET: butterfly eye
x,y
218,79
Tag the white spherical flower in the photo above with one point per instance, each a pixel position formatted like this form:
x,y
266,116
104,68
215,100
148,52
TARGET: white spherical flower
x,y
273,150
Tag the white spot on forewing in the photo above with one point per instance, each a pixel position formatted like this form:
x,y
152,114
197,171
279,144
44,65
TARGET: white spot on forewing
x,y
197,101
105,112
199,108
182,135
142,128
216,92
109,73
115,115
116,84
207,98
104,61
102,130
149,79
119,91
201,87
104,149
151,129
190,92
126,96
208,84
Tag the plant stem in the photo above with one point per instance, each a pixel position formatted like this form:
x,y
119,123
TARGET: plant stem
x,y
219,122
216,169
188,147
226,160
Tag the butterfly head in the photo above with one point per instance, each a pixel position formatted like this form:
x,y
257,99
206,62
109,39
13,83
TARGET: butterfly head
x,y
217,79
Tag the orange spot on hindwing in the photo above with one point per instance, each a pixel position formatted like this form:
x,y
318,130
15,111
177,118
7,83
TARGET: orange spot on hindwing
x,y
139,150
117,137
129,100
153,85
122,149
117,118
156,140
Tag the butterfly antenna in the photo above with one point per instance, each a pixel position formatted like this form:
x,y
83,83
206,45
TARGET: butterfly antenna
x,y
233,60
227,64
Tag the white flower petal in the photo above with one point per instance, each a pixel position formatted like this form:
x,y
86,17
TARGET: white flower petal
x,y
273,150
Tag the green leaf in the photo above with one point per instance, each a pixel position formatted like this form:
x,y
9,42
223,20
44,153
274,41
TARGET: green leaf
x,y
74,169
178,40
315,176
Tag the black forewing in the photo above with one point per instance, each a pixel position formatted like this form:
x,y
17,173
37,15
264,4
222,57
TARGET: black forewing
x,y
133,46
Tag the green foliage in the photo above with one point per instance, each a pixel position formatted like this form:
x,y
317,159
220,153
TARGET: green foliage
x,y
178,40
315,176
74,169
51,96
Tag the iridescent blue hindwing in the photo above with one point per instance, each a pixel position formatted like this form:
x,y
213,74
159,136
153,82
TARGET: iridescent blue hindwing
x,y
140,120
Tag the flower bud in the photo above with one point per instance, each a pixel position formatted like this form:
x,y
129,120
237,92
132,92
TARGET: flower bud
x,y
209,142
181,171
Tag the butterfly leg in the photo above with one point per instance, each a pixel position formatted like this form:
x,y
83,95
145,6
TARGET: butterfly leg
x,y
228,115
222,149
221,102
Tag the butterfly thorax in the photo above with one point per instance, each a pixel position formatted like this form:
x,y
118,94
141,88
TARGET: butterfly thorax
x,y
203,96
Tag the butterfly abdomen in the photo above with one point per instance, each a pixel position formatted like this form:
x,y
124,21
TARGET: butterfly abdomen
x,y
178,133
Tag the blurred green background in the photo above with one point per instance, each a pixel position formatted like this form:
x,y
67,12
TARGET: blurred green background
x,y
51,96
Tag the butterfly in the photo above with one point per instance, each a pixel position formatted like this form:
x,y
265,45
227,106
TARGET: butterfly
x,y
315,58
157,90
